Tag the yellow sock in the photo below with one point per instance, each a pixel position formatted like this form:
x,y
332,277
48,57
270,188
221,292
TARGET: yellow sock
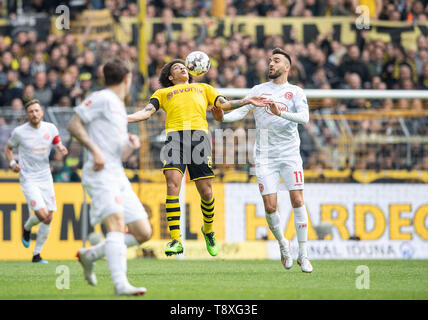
x,y
172,207
207,208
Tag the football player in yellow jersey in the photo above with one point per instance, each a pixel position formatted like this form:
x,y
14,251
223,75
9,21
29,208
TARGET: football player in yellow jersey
x,y
187,143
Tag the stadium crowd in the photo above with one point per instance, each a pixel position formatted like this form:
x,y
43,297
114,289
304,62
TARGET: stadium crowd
x,y
54,70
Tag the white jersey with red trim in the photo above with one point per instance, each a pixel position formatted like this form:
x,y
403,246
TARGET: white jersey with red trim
x,y
276,138
34,146
106,121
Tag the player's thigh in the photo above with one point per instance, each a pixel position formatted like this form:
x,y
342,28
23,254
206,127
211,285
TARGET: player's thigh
x,y
173,178
33,195
114,222
200,167
133,209
135,215
106,197
48,194
268,179
293,175
172,157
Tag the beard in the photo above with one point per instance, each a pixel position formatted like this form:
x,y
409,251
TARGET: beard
x,y
274,75
35,121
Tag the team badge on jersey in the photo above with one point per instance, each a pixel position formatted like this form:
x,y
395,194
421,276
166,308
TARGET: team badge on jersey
x,y
288,95
46,136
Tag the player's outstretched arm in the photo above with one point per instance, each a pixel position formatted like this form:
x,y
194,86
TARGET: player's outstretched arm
x,y
235,115
8,151
226,105
77,130
300,117
142,114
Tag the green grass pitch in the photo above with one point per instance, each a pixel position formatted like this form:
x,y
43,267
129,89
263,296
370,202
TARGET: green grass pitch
x,y
220,280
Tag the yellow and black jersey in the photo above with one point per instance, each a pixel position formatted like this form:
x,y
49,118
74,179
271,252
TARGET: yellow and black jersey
x,y
185,105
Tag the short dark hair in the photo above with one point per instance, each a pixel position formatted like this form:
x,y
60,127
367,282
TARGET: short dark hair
x,y
280,51
31,102
166,72
115,71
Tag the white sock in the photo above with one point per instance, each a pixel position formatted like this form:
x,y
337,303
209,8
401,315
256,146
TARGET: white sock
x,y
274,222
115,251
42,235
31,222
98,251
301,225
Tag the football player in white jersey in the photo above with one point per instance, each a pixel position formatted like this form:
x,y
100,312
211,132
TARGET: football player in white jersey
x,y
34,140
100,123
277,150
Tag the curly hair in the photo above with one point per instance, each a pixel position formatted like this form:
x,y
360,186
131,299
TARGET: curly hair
x,y
166,72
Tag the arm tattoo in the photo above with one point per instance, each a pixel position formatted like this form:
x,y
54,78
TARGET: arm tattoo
x,y
230,105
149,108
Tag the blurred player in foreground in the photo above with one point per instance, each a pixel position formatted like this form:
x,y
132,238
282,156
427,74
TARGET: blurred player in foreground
x,y
34,140
101,125
277,150
187,144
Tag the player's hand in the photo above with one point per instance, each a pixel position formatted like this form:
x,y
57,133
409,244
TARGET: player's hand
x,y
274,108
98,161
134,141
218,113
16,167
258,101
61,148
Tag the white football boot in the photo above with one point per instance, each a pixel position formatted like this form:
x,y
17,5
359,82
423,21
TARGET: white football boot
x,y
88,267
128,290
305,264
286,259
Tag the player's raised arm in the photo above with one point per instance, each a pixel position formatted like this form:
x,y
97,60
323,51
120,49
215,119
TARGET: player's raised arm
x,y
226,105
146,112
77,130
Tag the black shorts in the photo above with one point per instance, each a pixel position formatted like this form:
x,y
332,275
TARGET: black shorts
x,y
191,149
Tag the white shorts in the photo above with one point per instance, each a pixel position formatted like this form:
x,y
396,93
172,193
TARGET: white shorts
x,y
269,176
111,192
39,194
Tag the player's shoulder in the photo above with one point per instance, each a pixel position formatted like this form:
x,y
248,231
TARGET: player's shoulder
x,y
100,96
161,91
48,125
258,88
293,87
21,128
201,84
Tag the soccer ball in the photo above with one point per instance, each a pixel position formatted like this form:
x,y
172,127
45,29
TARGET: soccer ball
x,y
197,63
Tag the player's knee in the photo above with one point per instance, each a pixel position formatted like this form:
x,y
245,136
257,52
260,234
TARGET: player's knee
x,y
297,202
173,187
206,194
48,218
144,236
270,208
